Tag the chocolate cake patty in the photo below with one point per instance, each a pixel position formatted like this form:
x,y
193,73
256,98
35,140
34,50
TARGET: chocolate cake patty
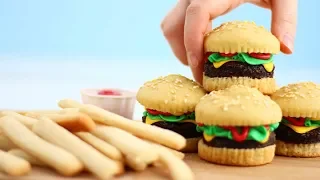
x,y
220,142
286,134
185,129
237,69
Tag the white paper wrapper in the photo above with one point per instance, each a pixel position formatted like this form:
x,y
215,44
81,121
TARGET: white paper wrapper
x,y
122,105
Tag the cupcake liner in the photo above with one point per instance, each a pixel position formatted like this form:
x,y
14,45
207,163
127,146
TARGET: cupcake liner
x,y
192,145
266,85
236,157
297,150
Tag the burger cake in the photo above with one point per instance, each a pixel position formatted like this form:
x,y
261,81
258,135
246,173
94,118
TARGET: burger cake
x,y
240,53
299,132
238,126
170,103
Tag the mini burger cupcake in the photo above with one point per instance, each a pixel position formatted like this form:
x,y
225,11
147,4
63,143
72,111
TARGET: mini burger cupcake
x,y
238,126
170,102
240,53
299,132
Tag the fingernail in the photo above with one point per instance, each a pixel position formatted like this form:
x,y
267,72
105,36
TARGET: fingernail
x,y
287,40
192,59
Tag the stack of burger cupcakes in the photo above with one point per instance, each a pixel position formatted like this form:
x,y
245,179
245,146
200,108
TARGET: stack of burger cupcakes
x,y
170,103
240,53
237,119
234,119
299,132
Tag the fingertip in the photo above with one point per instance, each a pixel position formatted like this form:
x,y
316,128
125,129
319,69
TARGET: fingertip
x,y
287,43
196,23
198,72
284,49
284,23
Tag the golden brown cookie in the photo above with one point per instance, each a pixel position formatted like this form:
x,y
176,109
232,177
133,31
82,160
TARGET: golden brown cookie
x,y
241,36
265,85
174,94
236,157
237,105
299,100
192,145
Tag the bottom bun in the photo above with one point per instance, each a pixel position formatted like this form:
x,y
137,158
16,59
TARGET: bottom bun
x,y
297,150
192,145
265,85
236,157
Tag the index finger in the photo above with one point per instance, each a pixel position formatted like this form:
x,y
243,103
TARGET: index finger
x,y
198,16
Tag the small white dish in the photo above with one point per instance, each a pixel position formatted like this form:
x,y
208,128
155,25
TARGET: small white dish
x,y
118,101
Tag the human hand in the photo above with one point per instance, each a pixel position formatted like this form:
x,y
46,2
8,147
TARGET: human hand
x,y
184,27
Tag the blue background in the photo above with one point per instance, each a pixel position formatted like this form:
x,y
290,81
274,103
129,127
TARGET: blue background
x,y
124,29
50,49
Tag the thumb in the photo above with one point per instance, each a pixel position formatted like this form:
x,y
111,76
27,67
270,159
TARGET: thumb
x,y
284,22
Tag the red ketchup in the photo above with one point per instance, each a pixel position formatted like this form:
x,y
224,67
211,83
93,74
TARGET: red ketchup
x,y
228,54
239,137
296,121
155,112
108,92
264,56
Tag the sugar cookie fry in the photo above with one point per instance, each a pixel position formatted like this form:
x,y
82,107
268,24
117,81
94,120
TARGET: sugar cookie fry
x,y
64,162
12,165
135,163
152,133
178,168
126,143
72,121
68,110
26,156
5,143
178,154
94,161
23,112
102,146
27,121
69,103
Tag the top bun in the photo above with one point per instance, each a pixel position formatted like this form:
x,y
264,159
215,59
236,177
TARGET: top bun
x,y
237,105
299,100
241,36
174,93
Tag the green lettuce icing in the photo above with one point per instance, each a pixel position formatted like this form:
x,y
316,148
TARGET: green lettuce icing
x,y
190,116
241,57
257,133
308,122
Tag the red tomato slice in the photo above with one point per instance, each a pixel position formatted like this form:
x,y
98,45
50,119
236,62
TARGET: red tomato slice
x,y
296,121
155,112
206,56
227,54
200,124
239,137
263,56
